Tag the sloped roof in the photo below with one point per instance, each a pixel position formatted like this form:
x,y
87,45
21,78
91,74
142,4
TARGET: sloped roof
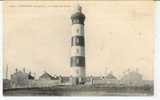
x,y
132,75
45,75
30,76
110,76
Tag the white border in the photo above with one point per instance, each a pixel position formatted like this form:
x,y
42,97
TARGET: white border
x,y
1,49
157,68
157,50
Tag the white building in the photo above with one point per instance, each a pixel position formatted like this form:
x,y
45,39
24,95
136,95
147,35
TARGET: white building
x,y
132,78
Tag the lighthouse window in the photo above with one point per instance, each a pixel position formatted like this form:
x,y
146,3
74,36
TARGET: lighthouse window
x,y
77,40
74,21
74,40
77,61
77,71
77,30
77,21
77,50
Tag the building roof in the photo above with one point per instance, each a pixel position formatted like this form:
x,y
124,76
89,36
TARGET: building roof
x,y
45,75
110,76
132,75
30,76
22,74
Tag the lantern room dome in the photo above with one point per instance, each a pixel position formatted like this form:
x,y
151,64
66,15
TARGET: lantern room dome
x,y
78,15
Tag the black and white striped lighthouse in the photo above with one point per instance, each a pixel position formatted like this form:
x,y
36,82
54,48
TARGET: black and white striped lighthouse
x,y
78,46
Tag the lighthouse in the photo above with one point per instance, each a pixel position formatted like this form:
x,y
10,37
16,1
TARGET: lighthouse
x,y
78,46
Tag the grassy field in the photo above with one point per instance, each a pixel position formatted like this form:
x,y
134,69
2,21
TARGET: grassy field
x,y
80,90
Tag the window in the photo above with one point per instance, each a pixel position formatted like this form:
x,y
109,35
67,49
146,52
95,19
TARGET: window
x,y
77,51
77,71
74,40
77,30
77,40
74,21
77,61
77,21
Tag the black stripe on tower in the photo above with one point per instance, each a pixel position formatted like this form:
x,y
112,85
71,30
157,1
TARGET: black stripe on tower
x,y
77,41
78,21
78,61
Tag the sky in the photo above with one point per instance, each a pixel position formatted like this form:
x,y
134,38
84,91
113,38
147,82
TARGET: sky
x,y
119,35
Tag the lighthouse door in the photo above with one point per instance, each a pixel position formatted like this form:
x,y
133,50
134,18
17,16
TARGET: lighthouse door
x,y
77,81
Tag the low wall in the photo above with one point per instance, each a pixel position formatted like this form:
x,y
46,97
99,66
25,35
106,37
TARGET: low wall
x,y
36,83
